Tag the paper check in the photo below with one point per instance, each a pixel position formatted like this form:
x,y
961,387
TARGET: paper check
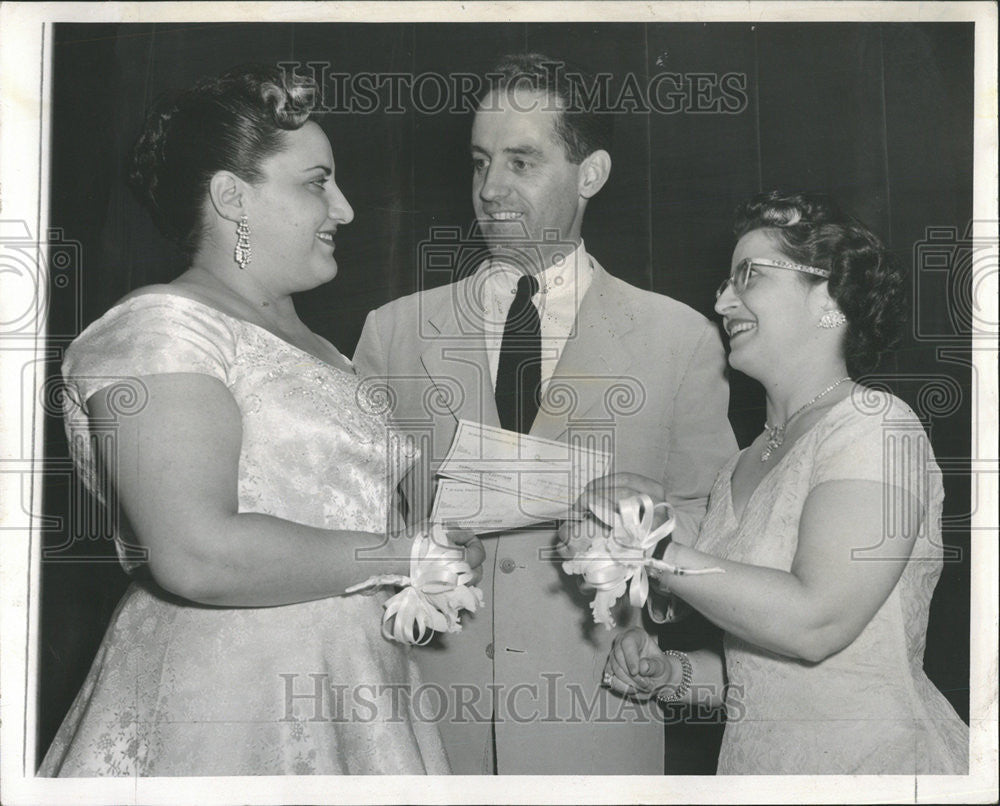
x,y
495,479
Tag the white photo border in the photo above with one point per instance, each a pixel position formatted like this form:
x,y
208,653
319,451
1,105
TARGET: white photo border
x,y
25,66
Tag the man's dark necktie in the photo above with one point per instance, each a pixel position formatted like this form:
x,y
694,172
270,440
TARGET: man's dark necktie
x,y
519,373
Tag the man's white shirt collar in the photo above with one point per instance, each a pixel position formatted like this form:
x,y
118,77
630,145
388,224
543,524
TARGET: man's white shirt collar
x,y
566,275
561,288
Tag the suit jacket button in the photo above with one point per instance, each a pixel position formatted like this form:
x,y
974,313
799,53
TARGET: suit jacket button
x,y
507,565
489,650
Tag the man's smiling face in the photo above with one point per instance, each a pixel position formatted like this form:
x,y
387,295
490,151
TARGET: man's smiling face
x,y
522,184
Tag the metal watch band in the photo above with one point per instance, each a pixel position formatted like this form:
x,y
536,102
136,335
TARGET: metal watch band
x,y
679,692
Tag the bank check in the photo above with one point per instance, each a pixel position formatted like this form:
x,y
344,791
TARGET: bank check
x,y
495,479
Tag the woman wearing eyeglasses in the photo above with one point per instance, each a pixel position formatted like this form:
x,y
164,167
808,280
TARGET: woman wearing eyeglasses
x,y
828,526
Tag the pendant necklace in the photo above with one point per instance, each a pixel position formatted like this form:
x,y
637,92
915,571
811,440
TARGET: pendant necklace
x,y
776,433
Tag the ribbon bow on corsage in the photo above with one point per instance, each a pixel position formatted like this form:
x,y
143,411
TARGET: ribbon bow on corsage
x,y
432,596
617,561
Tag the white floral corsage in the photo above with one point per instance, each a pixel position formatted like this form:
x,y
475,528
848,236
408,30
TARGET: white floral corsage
x,y
617,561
432,596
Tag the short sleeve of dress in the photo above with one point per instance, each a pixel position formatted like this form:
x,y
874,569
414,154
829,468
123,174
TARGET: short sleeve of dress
x,y
150,334
876,437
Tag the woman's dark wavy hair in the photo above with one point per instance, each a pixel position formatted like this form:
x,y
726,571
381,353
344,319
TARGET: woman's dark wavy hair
x,y
231,122
866,283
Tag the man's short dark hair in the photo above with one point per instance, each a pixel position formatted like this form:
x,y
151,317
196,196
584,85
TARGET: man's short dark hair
x,y
581,126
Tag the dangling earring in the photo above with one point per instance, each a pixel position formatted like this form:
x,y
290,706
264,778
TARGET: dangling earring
x,y
243,252
832,319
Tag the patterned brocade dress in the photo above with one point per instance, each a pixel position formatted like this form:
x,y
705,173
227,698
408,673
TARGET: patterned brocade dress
x,y
869,708
183,689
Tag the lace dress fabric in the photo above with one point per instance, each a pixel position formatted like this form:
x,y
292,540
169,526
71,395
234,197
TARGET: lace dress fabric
x,y
869,708
182,689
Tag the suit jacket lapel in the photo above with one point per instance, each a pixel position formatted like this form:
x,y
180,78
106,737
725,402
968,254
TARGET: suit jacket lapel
x,y
595,353
456,359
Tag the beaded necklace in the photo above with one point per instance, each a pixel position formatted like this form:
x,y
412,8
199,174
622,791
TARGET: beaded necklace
x,y
776,433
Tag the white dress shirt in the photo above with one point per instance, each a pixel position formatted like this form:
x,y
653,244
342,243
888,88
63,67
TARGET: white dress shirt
x,y
561,287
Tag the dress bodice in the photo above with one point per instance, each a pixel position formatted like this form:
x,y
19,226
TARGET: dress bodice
x,y
313,451
868,697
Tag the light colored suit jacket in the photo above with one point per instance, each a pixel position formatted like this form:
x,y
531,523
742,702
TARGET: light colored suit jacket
x,y
640,372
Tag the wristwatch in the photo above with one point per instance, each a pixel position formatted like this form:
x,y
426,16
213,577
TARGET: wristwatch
x,y
668,694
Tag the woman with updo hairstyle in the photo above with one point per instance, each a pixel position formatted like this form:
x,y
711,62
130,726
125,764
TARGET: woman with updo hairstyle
x,y
866,284
821,546
252,486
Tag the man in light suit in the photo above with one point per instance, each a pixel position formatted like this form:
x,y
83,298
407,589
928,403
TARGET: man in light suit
x,y
635,370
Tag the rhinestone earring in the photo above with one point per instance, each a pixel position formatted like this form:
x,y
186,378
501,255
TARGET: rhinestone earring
x,y
832,319
243,252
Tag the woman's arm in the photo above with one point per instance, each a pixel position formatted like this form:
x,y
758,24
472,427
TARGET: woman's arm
x,y
638,667
175,468
845,567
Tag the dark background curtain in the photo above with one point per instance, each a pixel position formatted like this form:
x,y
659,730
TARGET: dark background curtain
x,y
879,115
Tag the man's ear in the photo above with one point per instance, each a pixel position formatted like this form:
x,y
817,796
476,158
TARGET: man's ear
x,y
594,172
228,195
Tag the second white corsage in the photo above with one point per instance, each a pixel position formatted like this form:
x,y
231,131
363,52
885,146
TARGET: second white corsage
x,y
617,561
